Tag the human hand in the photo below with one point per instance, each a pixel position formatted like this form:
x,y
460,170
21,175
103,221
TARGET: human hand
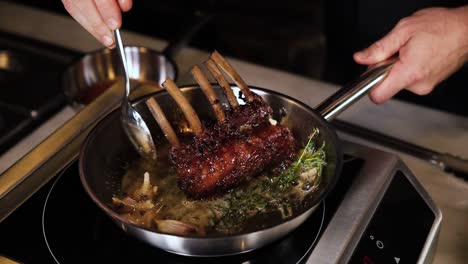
x,y
432,44
99,17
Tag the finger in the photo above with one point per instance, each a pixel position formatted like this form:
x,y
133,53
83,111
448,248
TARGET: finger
x,y
400,76
383,48
87,15
125,5
110,13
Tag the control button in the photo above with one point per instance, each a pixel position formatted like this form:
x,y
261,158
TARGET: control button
x,y
379,244
397,260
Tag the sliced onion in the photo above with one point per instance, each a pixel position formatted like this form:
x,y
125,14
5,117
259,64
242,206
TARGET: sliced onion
x,y
175,227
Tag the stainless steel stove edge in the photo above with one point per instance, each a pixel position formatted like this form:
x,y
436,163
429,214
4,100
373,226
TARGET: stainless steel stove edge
x,y
428,253
33,170
349,223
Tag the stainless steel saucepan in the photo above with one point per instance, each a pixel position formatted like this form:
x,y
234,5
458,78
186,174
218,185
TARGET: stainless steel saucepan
x,y
107,150
92,74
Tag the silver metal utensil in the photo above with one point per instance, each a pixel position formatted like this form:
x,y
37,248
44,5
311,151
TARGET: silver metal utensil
x,y
133,124
447,162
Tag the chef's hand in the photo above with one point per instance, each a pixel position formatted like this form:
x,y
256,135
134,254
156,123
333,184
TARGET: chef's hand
x,y
99,17
432,44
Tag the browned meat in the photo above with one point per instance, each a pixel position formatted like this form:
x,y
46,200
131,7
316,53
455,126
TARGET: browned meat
x,y
231,152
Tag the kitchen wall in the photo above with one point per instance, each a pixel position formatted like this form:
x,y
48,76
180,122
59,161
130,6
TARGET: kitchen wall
x,y
313,38
285,35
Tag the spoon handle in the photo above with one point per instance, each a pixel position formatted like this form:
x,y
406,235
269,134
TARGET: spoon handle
x,y
121,51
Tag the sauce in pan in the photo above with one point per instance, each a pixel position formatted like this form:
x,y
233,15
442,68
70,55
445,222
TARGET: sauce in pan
x,y
150,197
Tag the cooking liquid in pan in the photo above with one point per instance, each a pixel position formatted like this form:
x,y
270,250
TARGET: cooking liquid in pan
x,y
268,199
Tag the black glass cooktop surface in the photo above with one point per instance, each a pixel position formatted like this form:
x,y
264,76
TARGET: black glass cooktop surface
x,y
61,223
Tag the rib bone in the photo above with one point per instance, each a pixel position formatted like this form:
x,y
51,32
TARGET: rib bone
x,y
211,66
166,127
184,104
229,70
209,92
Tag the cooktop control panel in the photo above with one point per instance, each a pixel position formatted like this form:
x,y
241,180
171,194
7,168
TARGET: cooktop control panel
x,y
399,227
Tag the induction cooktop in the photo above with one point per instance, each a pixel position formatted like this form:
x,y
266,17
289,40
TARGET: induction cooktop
x,y
377,213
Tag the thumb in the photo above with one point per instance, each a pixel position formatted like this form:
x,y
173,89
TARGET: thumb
x,y
383,48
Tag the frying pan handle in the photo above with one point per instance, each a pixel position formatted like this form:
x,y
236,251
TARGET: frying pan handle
x,y
200,20
346,96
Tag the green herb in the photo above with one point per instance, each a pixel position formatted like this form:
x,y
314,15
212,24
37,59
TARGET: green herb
x,y
271,194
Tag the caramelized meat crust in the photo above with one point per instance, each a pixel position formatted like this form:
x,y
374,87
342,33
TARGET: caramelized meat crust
x,y
233,151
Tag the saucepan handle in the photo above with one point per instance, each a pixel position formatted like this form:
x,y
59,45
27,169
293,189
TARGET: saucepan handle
x,y
186,36
346,96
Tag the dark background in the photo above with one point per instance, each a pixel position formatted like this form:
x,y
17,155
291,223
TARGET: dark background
x,y
312,38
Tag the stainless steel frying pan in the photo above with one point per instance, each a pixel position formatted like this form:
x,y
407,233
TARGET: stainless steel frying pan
x,y
107,150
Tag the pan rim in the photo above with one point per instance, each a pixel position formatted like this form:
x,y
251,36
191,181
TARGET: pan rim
x,y
328,188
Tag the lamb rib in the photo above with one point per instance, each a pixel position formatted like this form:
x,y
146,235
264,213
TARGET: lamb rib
x,y
234,150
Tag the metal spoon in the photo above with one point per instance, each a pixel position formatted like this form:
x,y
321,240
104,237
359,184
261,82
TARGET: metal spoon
x,y
133,124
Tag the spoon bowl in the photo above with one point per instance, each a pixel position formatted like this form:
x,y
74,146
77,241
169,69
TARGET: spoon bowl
x,y
134,125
